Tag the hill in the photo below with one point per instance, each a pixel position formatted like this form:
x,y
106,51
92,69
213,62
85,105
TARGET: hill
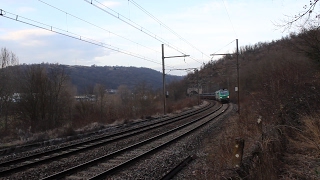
x,y
279,114
85,77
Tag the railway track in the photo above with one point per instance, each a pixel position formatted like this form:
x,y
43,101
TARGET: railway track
x,y
96,135
177,168
23,163
104,166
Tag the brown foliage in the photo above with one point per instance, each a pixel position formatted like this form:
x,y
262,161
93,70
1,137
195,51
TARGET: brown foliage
x,y
279,85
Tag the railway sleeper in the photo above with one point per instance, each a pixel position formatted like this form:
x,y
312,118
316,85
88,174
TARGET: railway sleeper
x,y
108,165
115,161
96,169
74,177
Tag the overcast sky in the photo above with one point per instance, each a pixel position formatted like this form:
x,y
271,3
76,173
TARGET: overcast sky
x,y
130,33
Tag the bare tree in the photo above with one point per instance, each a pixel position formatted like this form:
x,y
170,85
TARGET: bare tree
x,y
7,58
100,92
60,96
144,99
126,105
307,15
46,96
308,42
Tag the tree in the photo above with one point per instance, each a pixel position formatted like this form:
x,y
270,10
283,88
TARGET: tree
x,y
144,98
306,16
126,105
308,39
308,42
7,59
60,94
46,96
100,92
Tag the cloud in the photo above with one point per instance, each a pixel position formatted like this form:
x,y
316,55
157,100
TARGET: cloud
x,y
36,46
21,35
26,38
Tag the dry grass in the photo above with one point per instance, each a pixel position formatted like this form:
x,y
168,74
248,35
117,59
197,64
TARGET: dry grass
x,y
89,121
302,157
261,150
173,106
275,152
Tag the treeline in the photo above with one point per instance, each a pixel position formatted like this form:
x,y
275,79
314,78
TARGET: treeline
x,y
112,77
279,86
41,97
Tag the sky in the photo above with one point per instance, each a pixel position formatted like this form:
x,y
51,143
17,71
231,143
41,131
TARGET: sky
x,y
130,32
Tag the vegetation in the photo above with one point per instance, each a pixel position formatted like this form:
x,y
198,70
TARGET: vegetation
x,y
85,78
279,97
279,86
40,99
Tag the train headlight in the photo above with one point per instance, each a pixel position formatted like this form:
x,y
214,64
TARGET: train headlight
x,y
228,96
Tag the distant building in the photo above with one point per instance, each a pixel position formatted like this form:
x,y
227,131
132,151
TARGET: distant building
x,y
111,91
15,97
85,98
193,90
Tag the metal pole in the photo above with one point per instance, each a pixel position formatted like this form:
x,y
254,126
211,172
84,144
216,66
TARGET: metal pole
x,y
163,82
163,78
198,87
238,77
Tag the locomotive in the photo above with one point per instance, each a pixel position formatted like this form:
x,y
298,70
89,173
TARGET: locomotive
x,y
222,95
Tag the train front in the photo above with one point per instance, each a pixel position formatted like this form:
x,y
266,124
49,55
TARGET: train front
x,y
224,96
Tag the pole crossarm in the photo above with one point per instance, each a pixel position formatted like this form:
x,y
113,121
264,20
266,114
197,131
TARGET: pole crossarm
x,y
176,56
183,69
238,81
222,54
164,79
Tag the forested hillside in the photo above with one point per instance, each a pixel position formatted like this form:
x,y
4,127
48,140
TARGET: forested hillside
x,y
84,78
41,97
113,77
279,112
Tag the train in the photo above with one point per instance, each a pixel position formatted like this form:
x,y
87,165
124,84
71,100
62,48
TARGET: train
x,y
222,95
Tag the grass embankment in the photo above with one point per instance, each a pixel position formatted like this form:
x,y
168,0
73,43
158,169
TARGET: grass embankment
x,y
16,136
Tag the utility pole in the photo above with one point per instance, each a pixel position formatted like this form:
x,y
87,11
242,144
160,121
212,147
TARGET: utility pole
x,y
198,86
238,78
163,82
164,79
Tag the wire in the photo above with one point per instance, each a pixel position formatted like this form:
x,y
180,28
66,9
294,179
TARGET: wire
x,y
229,18
224,46
131,23
98,26
157,20
73,35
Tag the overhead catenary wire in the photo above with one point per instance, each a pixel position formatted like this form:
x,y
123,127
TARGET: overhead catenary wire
x,y
173,32
224,46
67,20
122,18
69,34
161,23
229,18
99,27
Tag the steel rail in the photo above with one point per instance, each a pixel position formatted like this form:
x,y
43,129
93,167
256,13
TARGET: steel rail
x,y
88,144
177,169
96,161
